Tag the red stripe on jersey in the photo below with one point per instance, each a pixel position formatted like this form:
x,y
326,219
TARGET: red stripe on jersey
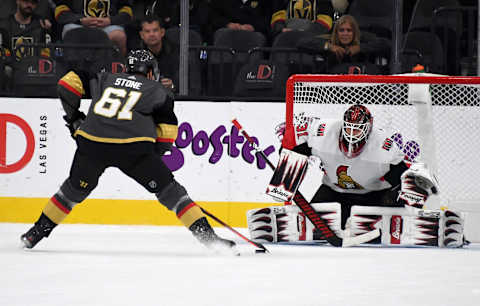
x,y
183,211
170,140
69,88
59,205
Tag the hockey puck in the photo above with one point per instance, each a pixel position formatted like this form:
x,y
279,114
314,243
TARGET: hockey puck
x,y
261,251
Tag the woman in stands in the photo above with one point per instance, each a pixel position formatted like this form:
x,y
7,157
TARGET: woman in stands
x,y
344,45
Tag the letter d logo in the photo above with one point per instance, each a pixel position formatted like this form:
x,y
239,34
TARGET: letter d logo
x,y
30,140
264,72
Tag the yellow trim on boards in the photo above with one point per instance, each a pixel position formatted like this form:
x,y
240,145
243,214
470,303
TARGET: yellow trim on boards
x,y
133,212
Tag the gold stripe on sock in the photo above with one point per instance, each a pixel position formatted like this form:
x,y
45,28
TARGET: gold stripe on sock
x,y
54,212
190,214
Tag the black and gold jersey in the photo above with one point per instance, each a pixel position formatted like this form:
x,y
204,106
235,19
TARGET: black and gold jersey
x,y
17,34
68,11
126,108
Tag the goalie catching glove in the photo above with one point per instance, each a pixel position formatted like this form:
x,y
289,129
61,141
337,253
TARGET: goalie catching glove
x,y
288,224
417,183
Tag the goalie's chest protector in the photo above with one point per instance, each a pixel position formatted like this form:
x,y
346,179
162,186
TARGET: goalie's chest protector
x,y
361,174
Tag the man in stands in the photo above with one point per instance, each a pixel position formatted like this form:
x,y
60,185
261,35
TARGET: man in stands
x,y
315,16
359,166
167,55
108,15
241,15
24,27
130,125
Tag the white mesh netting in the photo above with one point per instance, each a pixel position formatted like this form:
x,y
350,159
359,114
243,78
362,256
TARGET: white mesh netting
x,y
455,114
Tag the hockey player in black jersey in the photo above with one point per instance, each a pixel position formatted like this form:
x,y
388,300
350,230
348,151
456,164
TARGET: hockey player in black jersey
x,y
130,124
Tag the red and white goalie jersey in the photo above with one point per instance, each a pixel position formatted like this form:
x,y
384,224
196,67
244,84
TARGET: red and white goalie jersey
x,y
360,174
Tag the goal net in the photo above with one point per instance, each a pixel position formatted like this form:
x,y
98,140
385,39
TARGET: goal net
x,y
433,119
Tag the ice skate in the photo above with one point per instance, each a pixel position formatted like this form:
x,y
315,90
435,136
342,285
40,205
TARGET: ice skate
x,y
40,229
202,230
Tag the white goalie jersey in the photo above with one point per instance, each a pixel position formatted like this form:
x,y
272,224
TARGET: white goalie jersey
x,y
361,174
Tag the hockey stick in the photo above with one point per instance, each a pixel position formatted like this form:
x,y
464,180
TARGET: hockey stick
x,y
261,247
319,223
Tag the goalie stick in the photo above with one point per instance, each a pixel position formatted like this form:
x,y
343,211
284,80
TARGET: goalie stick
x,y
261,247
319,223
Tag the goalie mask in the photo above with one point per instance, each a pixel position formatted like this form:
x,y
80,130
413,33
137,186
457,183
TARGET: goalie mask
x,y
143,62
357,125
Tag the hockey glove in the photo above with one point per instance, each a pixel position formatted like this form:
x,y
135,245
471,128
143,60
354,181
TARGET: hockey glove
x,y
417,183
280,131
74,123
162,147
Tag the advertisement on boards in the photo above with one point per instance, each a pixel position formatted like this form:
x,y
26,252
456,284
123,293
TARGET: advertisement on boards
x,y
210,157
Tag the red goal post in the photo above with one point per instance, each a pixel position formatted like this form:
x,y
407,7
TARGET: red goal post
x,y
433,119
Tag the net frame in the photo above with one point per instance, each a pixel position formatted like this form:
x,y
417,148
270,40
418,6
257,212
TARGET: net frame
x,y
445,109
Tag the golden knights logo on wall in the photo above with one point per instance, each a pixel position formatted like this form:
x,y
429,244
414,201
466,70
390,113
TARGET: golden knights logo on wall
x,y
96,8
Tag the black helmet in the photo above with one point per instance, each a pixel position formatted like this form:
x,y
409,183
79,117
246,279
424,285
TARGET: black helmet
x,y
142,61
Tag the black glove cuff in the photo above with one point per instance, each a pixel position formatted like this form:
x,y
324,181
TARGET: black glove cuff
x,y
75,116
162,147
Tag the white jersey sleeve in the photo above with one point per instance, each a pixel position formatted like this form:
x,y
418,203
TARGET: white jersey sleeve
x,y
304,126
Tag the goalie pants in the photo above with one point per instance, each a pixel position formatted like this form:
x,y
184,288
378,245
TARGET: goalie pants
x,y
137,160
385,198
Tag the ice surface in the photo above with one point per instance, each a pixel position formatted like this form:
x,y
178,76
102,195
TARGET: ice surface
x,y
149,265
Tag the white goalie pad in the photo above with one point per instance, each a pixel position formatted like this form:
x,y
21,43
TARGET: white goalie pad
x,y
288,224
287,175
410,227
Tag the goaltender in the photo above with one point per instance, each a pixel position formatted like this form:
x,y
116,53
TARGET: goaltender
x,y
358,180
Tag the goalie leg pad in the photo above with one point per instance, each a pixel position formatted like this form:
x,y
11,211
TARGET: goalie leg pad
x,y
288,224
410,227
453,229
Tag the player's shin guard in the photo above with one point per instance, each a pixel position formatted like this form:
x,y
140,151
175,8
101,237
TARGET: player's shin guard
x,y
54,212
176,199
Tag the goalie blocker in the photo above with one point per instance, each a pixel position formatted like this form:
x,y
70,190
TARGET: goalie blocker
x,y
399,226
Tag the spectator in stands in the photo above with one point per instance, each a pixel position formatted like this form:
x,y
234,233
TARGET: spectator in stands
x,y
168,12
249,15
152,33
25,27
315,16
109,15
344,45
347,46
20,27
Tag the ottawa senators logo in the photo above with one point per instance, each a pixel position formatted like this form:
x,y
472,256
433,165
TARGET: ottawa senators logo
x,y
97,8
344,180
